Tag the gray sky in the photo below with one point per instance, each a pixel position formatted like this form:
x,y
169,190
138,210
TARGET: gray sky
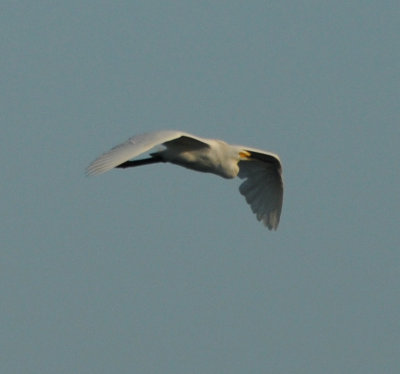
x,y
163,270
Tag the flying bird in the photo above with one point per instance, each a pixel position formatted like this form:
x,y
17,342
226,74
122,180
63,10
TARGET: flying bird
x,y
262,170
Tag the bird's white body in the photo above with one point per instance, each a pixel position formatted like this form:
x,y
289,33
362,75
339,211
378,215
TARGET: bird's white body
x,y
263,187
210,159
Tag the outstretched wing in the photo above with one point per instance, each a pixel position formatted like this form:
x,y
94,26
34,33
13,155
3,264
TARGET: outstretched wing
x,y
138,145
263,187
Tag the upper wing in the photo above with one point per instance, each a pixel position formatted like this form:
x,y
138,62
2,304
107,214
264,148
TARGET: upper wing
x,y
263,187
135,146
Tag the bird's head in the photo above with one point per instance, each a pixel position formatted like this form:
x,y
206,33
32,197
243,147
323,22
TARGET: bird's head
x,y
231,165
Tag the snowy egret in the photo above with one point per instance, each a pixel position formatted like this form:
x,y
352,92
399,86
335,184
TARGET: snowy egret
x,y
262,171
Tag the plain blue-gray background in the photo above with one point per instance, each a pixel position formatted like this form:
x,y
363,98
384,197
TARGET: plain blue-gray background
x,y
163,270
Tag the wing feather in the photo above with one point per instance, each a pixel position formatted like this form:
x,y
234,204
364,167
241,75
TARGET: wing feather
x,y
136,146
263,186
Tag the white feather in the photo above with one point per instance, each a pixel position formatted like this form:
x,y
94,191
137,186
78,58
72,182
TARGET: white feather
x,y
262,188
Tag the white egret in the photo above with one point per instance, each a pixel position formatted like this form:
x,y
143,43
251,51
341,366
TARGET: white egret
x,y
263,187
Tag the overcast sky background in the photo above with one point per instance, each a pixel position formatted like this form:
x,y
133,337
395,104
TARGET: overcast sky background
x,y
163,270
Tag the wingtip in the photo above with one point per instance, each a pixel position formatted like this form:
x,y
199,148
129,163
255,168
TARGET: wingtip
x,y
93,170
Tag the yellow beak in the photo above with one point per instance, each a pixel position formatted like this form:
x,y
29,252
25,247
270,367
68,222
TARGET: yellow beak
x,y
244,154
